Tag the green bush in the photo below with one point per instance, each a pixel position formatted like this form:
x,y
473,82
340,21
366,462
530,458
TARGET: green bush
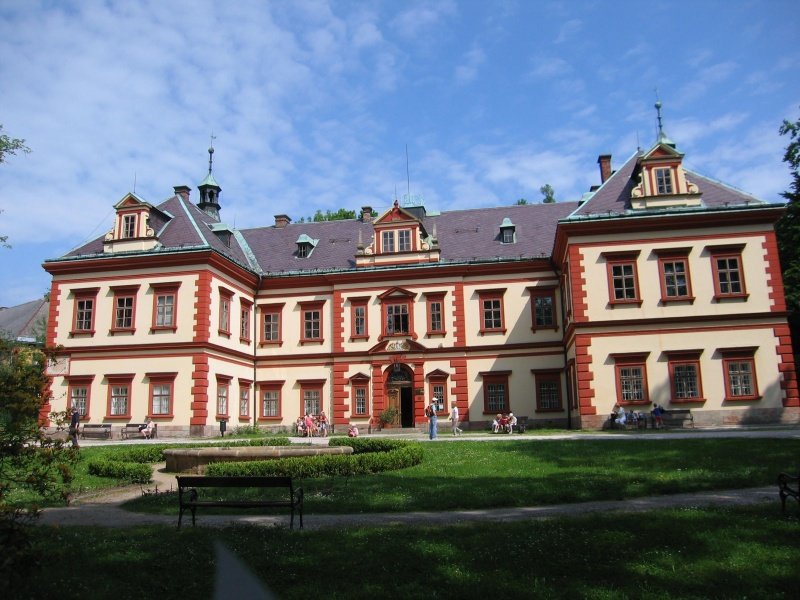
x,y
304,467
125,471
365,445
153,453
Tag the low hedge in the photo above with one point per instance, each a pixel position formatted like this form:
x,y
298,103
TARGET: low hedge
x,y
153,453
123,470
304,467
365,445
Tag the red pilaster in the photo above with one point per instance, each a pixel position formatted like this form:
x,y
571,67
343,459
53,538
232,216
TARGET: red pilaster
x,y
200,384
202,307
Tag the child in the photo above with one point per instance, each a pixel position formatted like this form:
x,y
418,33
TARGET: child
x,y
353,431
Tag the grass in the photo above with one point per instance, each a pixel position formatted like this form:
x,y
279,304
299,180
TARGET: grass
x,y
474,475
742,552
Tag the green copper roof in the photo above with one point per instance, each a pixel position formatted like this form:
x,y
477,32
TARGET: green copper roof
x,y
209,180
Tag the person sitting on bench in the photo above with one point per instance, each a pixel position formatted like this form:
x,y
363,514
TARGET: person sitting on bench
x,y
147,429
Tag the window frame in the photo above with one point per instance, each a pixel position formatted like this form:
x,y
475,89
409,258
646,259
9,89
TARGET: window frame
x,y
117,381
388,242
160,379
359,382
245,315
680,359
494,295
622,259
223,385
225,306
128,225
663,179
632,360
357,304
729,252
393,297
494,378
76,382
84,295
543,292
673,256
165,290
275,310
542,376
438,379
307,309
404,245
312,385
746,356
123,293
431,300
277,388
244,394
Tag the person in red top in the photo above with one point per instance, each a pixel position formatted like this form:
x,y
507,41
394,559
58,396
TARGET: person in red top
x,y
309,425
323,424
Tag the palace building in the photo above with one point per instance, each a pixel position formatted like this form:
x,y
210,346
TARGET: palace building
x,y
659,286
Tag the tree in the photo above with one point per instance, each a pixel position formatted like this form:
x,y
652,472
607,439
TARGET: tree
x,y
9,146
788,230
33,467
548,192
339,215
521,202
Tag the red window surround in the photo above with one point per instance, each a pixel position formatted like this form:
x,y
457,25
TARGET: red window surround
x,y
674,275
544,311
312,390
312,322
685,378
359,395
727,269
547,384
623,277
359,318
165,306
245,320
223,396
122,383
630,374
437,390
271,324
397,314
739,372
80,387
158,384
434,308
492,312
245,408
225,304
123,316
84,311
496,392
270,404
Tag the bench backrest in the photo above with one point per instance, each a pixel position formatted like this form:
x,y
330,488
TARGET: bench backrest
x,y
236,481
97,426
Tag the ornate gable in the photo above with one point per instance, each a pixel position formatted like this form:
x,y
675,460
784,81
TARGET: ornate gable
x,y
132,231
399,238
662,181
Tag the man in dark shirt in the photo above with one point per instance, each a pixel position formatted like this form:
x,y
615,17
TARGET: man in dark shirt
x,y
74,423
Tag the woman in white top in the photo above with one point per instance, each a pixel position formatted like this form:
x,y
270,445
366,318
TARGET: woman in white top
x,y
454,418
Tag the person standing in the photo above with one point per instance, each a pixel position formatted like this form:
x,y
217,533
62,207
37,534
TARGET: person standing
x,y
454,417
74,423
430,412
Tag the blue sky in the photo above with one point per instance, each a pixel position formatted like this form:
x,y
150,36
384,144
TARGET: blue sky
x,y
313,104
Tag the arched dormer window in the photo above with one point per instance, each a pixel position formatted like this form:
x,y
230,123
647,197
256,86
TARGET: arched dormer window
x,y
508,233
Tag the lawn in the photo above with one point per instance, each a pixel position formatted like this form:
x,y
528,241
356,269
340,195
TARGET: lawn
x,y
743,552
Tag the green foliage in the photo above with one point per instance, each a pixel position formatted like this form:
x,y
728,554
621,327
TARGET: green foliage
x,y
10,146
548,192
521,202
339,215
132,472
388,415
362,445
788,228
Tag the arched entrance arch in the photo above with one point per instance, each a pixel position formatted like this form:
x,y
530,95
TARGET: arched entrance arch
x,y
399,390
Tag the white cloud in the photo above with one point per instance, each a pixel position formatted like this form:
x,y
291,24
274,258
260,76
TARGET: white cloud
x,y
468,70
568,31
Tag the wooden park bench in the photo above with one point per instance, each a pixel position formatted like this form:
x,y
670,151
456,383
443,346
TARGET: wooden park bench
x,y
135,429
521,426
676,417
96,430
788,485
189,496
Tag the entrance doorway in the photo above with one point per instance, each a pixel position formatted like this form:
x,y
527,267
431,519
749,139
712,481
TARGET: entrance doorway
x,y
406,407
400,393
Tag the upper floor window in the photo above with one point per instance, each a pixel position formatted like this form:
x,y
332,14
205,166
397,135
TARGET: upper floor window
x,y
129,226
84,310
631,377
726,266
305,246
225,299
165,303
397,312
396,319
543,307
311,314
673,268
404,240
124,308
623,286
396,240
435,305
507,231
664,181
358,320
387,241
492,311
271,323
246,309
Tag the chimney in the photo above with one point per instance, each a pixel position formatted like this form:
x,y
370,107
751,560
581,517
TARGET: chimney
x,y
282,221
604,161
366,214
183,191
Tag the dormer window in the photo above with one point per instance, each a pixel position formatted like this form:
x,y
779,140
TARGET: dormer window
x,y
404,240
305,246
507,232
129,226
664,181
387,238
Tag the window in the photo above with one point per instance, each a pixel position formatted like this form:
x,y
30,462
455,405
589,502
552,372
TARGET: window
x,y
396,319
79,394
543,303
303,250
673,267
225,297
508,235
548,390
165,299
84,311
496,392
740,374
271,324
223,389
360,394
161,393
491,303
663,181
311,396
622,277
404,240
684,376
631,378
119,396
726,265
270,400
129,226
311,314
124,308
387,239
358,318
435,306
244,320
397,313
244,399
